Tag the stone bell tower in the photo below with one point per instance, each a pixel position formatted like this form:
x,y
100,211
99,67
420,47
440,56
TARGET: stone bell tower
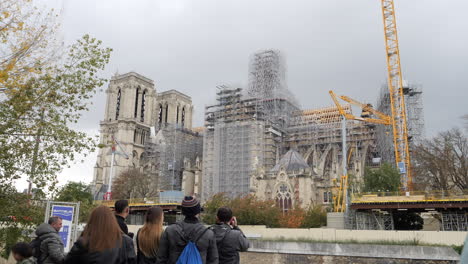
x,y
129,114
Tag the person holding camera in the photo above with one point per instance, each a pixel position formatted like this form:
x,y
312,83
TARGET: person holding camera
x,y
229,238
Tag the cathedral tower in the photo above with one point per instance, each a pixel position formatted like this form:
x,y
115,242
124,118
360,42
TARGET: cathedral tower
x,y
129,114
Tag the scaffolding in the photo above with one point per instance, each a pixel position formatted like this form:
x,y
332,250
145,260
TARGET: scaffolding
x,y
454,221
415,120
370,220
164,155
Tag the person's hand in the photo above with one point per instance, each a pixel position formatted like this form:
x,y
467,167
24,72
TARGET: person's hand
x,y
233,221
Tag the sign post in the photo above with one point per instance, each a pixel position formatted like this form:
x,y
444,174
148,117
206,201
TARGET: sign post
x,y
69,212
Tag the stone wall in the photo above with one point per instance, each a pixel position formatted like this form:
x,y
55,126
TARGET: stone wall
x,y
277,258
300,252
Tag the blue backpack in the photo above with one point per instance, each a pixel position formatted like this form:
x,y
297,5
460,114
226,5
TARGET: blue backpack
x,y
190,254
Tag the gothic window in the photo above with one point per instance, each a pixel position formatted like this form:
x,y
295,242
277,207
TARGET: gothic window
x,y
327,197
167,110
135,161
160,115
136,102
142,114
284,198
117,110
177,116
183,116
135,136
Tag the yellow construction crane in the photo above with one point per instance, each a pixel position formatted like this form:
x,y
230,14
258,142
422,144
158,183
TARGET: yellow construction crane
x,y
339,195
397,103
366,108
397,98
342,193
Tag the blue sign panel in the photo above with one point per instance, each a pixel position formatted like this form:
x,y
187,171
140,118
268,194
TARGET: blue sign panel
x,y
401,167
66,213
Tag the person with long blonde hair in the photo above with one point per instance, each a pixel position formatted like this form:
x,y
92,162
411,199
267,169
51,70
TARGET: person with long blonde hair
x,y
149,235
102,241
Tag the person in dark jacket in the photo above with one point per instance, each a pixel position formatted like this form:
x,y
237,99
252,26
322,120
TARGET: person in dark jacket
x,y
51,242
22,253
149,236
121,212
102,242
230,240
174,238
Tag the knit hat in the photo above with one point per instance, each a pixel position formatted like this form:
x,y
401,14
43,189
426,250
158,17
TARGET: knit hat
x,y
190,206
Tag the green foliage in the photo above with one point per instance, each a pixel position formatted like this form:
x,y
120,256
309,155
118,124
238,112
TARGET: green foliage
x,y
211,206
384,179
315,217
35,117
18,216
77,192
250,210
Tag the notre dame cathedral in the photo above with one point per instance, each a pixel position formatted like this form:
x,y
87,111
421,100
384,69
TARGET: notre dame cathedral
x,y
152,132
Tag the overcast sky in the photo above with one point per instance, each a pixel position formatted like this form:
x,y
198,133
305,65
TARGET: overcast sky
x,y
194,45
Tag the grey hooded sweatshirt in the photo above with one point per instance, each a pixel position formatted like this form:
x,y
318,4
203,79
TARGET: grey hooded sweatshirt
x,y
51,245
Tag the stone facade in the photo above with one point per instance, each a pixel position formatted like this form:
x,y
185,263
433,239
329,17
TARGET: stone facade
x,y
133,110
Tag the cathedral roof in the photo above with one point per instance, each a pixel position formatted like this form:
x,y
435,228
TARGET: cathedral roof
x,y
291,161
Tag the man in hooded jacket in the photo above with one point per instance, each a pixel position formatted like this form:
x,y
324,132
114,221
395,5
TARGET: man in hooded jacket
x,y
52,248
229,237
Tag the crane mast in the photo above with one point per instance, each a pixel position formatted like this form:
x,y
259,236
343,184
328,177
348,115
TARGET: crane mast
x,y
397,100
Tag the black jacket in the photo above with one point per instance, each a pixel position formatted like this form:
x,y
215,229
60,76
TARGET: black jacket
x,y
122,224
172,242
229,242
125,254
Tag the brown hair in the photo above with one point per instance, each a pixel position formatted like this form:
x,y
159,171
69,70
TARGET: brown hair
x,y
150,233
102,230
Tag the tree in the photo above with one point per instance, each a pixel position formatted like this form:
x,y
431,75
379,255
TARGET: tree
x,y
211,206
132,184
441,163
384,179
35,117
27,42
18,216
294,218
315,217
77,192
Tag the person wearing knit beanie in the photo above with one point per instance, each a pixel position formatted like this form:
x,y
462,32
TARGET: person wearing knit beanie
x,y
175,237
191,206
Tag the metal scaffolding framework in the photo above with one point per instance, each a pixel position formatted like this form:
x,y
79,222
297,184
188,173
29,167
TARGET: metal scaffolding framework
x,y
454,221
164,155
415,120
370,220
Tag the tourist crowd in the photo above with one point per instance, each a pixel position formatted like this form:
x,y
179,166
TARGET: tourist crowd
x,y
105,239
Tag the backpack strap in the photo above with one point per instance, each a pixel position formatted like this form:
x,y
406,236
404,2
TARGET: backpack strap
x,y
204,231
186,238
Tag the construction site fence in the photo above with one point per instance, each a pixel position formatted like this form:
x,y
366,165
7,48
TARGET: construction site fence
x,y
427,195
